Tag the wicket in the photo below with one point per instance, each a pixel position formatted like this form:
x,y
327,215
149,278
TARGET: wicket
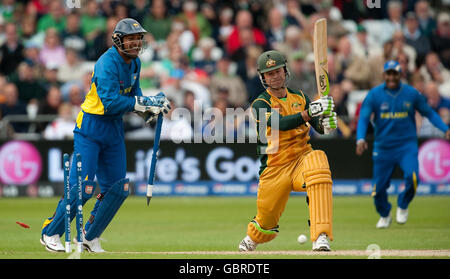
x,y
79,204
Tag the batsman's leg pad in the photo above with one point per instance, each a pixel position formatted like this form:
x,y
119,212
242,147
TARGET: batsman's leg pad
x,y
55,224
107,208
260,235
317,176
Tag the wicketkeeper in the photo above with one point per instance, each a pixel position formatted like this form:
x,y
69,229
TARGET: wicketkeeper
x,y
99,135
288,162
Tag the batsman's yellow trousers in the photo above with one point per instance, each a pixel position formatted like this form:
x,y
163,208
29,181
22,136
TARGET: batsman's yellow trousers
x,y
310,172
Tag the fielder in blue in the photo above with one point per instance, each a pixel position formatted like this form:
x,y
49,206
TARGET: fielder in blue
x,y
393,105
99,136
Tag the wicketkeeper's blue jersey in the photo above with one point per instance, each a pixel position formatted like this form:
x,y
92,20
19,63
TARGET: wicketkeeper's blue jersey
x,y
114,84
394,115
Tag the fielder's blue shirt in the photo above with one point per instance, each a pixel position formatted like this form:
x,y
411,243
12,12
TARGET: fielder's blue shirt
x,y
394,115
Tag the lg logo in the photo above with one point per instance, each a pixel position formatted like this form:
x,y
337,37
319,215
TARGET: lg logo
x,y
71,4
373,4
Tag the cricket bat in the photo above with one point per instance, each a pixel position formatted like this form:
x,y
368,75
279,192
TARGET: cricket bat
x,y
320,58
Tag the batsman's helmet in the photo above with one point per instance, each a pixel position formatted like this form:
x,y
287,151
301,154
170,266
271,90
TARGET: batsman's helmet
x,y
271,60
127,26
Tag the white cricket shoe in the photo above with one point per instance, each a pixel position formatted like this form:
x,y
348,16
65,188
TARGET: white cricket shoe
x,y
92,246
247,244
321,243
384,222
402,215
52,243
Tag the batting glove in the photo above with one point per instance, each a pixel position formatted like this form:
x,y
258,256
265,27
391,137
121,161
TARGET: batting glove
x,y
329,122
323,106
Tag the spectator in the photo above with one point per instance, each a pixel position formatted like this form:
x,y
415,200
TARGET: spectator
x,y
415,38
440,39
248,72
394,21
28,32
427,24
92,24
71,36
294,14
102,42
72,69
205,56
398,39
28,86
54,19
223,79
418,82
247,39
195,21
138,11
225,27
402,59
361,46
294,41
276,30
158,22
208,11
13,106
300,76
376,63
439,104
76,97
49,105
351,67
62,127
244,21
120,10
8,10
433,70
31,55
52,52
50,77
11,52
179,34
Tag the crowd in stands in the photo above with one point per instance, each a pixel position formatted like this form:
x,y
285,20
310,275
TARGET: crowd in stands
x,y
202,54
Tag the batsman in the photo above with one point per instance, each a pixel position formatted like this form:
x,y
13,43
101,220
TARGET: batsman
x,y
288,162
99,136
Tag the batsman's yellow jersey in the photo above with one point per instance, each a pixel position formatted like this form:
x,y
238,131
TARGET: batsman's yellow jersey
x,y
283,135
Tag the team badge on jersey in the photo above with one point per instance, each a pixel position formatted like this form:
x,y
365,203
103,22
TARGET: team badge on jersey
x,y
384,106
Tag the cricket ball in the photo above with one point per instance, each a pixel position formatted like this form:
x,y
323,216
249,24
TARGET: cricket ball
x,y
302,239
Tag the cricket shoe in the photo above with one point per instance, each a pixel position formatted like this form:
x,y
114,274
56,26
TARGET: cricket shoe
x,y
52,243
402,215
384,222
92,246
247,244
321,243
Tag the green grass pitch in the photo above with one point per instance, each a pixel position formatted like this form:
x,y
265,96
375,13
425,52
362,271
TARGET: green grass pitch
x,y
212,227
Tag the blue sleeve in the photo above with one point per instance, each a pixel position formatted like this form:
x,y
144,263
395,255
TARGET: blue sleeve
x,y
364,117
137,91
425,110
106,79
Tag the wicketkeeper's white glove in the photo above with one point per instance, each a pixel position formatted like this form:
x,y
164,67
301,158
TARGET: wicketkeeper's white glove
x,y
330,121
321,107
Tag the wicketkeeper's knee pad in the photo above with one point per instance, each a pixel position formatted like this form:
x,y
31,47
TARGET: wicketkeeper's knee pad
x,y
260,235
317,176
110,203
